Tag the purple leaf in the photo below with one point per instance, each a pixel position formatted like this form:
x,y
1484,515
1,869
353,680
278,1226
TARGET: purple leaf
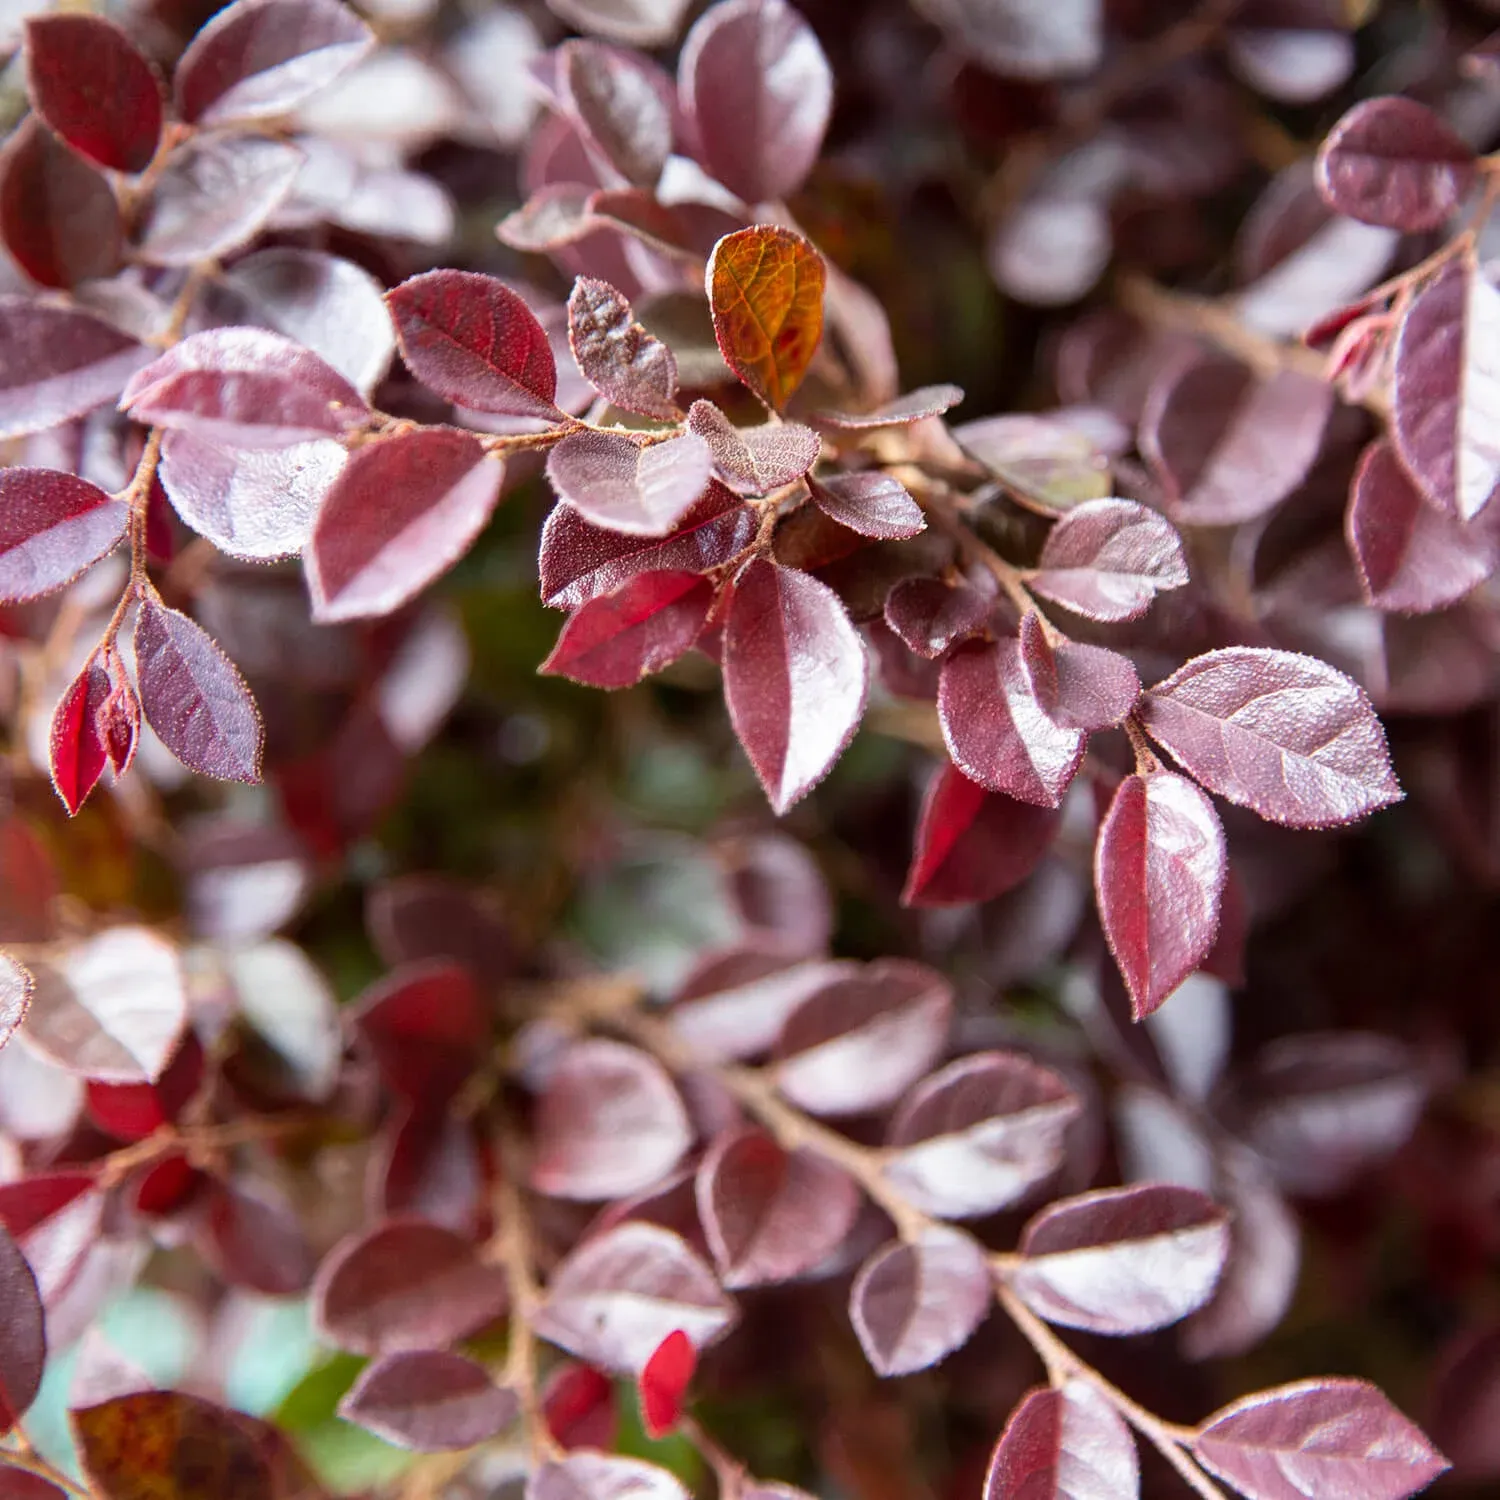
x,y
873,504
616,482
1108,559
1066,1443
1282,734
1048,465
1393,162
623,362
609,1123
586,1475
24,1350
625,121
618,1295
735,1006
1317,1437
978,1135
1122,1260
475,342
996,730
553,217
929,615
403,511
617,639
52,527
1078,687
795,678
862,1040
245,388
915,406
1159,871
771,1215
193,696
759,91
913,1303
261,58
429,1399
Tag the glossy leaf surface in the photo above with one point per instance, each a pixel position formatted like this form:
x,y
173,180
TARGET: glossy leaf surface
x,y
431,1400
1108,559
1065,1443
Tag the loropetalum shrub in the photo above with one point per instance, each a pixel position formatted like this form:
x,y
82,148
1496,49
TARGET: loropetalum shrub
x,y
1271,505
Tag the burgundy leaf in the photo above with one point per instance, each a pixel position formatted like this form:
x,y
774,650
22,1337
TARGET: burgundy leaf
x,y
246,388
781,894
52,527
1317,1437
554,216
623,117
755,460
617,639
996,730
474,341
618,1295
979,1134
1411,557
255,1240
1393,162
426,1025
193,696
579,1407
862,1040
405,1285
759,91
586,1475
1122,1260
401,513
420,917
623,362
795,678
736,1005
929,615
1282,734
913,1303
615,482
91,85
873,504
609,1122
429,1399
1066,1443
1048,465
215,194
16,986
771,1215
1024,41
1446,394
1078,687
1108,559
915,406
57,363
24,1349
119,721
55,1218
260,58
664,1381
1159,871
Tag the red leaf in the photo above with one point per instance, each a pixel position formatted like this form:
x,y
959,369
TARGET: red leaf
x,y
23,1352
76,748
1078,687
255,1240
1066,1443
260,58
15,996
1393,162
194,697
929,615
618,639
119,721
1159,872
403,511
755,460
1317,1437
55,1218
971,844
52,527
795,678
93,87
578,1405
429,1399
873,504
426,1024
416,917
132,1111
623,115
664,1381
615,482
474,341
734,1006
623,362
1108,559
1282,734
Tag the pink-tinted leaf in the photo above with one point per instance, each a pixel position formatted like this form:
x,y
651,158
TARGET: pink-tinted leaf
x,y
615,482
1078,687
579,1407
52,527
587,1475
420,917
913,1303
781,894
23,1352
1159,871
1024,41
1393,162
1049,466
1108,559
405,1285
1447,389
57,363
429,1399
771,1215
261,58
245,388
664,1381
617,356
426,1024
401,513
978,1135
862,1040
795,678
55,1218
759,91
474,341
1282,734
619,1294
1411,557
915,406
646,624
194,697
610,1122
625,121
15,996
215,194
91,85
1318,1437
1065,1443
554,216
1122,1260
929,615
755,460
873,504
734,1006
997,731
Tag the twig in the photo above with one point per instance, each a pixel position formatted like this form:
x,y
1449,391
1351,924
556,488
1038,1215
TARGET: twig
x,y
27,1459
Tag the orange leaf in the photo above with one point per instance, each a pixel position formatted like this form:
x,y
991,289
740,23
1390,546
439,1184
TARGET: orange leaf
x,y
765,286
